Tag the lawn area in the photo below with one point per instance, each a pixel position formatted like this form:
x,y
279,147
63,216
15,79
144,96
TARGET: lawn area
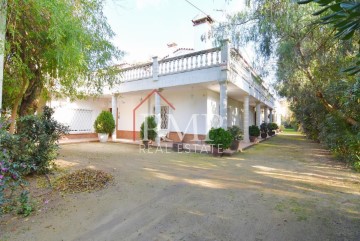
x,y
285,188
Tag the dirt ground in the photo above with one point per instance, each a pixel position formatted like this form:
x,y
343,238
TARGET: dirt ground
x,y
286,188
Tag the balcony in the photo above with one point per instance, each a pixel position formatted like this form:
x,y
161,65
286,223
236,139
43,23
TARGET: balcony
x,y
207,66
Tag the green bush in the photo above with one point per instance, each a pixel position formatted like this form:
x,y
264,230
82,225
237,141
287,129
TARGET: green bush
x,y
148,125
220,138
37,138
272,126
254,131
236,133
264,128
104,123
11,178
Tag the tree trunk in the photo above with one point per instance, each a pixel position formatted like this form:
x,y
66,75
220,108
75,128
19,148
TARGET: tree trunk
x,y
16,106
29,103
3,11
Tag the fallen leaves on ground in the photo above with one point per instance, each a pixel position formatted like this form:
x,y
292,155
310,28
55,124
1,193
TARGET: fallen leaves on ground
x,y
84,180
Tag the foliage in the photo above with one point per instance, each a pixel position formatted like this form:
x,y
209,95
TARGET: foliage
x,y
148,129
272,126
254,131
104,123
56,48
34,146
10,173
25,207
264,127
236,133
84,180
309,55
220,138
344,16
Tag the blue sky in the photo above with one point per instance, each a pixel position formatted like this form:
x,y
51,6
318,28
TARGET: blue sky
x,y
144,27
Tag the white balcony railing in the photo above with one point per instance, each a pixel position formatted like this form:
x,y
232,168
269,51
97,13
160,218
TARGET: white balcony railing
x,y
239,66
223,56
192,61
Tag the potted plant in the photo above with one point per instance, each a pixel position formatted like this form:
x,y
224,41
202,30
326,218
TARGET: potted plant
x,y
254,132
272,127
220,140
104,125
263,130
148,130
237,136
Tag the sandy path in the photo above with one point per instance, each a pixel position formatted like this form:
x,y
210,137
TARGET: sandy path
x,y
286,188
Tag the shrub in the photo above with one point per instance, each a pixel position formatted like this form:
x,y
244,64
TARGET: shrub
x,y
37,138
272,126
104,123
10,173
254,131
220,138
236,133
264,128
149,125
33,148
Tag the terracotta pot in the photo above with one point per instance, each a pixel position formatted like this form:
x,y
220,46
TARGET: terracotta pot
x,y
217,151
146,144
271,133
253,138
235,145
177,146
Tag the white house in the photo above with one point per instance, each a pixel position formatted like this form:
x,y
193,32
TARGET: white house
x,y
190,91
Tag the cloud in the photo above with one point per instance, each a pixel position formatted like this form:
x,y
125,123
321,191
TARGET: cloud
x,y
146,3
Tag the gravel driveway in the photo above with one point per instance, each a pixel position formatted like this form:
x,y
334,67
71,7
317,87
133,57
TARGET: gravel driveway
x,y
286,188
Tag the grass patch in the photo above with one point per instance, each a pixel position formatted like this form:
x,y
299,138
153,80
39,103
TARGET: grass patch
x,y
302,211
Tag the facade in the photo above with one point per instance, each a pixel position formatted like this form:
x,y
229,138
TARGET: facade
x,y
189,93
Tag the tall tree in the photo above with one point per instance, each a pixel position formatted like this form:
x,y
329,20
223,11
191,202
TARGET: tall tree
x,y
344,16
56,47
309,61
3,7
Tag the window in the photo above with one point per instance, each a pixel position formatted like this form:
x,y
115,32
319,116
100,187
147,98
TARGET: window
x,y
164,117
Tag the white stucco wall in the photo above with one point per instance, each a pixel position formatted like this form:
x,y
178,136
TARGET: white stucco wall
x,y
80,115
190,111
186,104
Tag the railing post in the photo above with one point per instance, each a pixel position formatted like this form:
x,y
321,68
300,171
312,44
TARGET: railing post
x,y
225,53
155,68
225,59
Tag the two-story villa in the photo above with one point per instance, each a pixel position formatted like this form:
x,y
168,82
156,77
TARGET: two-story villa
x,y
189,90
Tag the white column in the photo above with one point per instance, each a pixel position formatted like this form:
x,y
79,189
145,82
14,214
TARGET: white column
x,y
223,104
157,116
225,52
114,113
266,120
258,115
246,119
155,68
271,116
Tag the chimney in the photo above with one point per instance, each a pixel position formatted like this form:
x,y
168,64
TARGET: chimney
x,y
202,28
172,47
